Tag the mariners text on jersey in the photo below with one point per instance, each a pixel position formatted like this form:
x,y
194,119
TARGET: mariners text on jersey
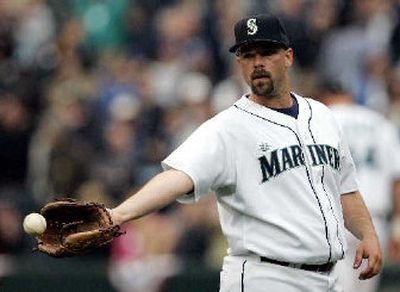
x,y
277,161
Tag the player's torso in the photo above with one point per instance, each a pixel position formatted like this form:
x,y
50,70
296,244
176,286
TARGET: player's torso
x,y
286,202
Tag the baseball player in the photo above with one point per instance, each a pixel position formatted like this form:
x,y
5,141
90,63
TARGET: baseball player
x,y
282,175
374,144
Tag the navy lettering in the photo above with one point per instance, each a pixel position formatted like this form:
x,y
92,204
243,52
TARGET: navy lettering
x,y
321,154
298,158
277,161
270,168
287,162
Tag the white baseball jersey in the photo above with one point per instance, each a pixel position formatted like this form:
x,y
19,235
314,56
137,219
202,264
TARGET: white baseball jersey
x,y
374,144
277,179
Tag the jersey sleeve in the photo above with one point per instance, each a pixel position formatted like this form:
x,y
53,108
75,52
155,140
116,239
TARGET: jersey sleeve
x,y
204,157
348,177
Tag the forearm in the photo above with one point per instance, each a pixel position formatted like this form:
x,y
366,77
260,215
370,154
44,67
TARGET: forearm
x,y
160,191
356,216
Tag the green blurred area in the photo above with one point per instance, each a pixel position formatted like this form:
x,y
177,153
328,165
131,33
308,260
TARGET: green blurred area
x,y
44,274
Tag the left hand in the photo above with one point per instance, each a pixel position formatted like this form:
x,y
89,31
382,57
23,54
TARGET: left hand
x,y
368,249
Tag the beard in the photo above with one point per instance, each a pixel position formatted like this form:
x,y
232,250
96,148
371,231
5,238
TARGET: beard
x,y
262,87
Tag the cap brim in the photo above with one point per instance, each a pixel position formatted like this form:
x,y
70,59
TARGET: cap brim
x,y
234,48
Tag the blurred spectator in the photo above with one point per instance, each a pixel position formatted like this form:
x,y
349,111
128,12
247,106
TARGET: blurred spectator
x,y
395,38
64,141
70,47
321,18
118,77
34,33
192,110
291,12
104,23
113,169
228,90
227,13
8,70
61,152
141,33
198,236
15,134
180,49
10,229
143,260
364,54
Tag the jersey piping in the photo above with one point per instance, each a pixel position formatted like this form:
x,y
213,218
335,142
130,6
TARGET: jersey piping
x,y
307,173
242,277
322,181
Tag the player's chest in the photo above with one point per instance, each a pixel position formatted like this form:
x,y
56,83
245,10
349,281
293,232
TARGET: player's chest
x,y
276,148
269,136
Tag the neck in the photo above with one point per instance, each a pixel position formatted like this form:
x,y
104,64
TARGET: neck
x,y
278,101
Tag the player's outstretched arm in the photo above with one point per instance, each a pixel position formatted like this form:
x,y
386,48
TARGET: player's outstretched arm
x,y
161,190
358,221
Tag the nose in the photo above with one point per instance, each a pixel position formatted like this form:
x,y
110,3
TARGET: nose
x,y
258,61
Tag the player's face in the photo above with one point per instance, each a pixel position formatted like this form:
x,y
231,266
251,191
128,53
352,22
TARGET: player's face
x,y
265,68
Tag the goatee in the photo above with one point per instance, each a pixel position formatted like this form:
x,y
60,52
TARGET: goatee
x,y
263,88
262,83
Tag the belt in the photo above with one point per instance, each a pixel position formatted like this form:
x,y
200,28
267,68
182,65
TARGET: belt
x,y
314,268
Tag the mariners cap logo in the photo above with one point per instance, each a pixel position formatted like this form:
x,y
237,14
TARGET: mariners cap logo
x,y
252,26
262,28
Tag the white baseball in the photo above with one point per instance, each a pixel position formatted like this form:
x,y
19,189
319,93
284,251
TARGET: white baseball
x,y
34,224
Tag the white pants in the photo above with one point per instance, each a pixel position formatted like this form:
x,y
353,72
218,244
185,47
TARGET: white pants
x,y
249,274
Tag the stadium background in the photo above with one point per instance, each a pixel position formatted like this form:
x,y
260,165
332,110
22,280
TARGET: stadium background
x,y
94,93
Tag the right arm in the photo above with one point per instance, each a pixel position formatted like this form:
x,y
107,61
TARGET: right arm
x,y
160,191
358,221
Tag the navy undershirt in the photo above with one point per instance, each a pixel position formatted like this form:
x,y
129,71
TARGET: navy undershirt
x,y
292,111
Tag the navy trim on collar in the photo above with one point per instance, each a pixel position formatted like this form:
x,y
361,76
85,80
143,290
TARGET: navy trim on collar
x,y
292,111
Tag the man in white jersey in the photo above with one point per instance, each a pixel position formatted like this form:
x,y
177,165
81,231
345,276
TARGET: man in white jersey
x,y
281,173
374,144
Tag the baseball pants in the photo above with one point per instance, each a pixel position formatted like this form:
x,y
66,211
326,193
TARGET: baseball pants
x,y
249,274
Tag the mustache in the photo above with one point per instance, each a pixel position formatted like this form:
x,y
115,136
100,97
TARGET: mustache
x,y
260,73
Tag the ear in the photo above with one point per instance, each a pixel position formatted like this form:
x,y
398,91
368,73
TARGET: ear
x,y
237,59
289,57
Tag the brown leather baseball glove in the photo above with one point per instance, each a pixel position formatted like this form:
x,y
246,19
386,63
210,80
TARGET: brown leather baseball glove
x,y
75,227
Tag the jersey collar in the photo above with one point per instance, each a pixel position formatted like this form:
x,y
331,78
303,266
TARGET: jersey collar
x,y
246,104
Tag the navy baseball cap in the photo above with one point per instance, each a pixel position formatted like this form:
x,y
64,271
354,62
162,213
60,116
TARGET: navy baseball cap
x,y
263,28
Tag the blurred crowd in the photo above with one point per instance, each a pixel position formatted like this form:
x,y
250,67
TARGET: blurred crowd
x,y
95,93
